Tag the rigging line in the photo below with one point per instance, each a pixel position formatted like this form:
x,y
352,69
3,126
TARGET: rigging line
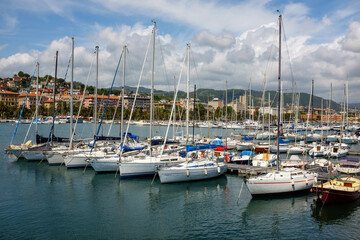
x,y
134,102
57,106
107,101
12,138
82,101
173,107
287,50
162,55
194,64
27,133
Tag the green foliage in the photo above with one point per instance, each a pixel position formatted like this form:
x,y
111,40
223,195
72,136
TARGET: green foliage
x,y
20,73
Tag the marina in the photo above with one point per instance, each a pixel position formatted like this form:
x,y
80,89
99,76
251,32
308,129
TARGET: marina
x,y
79,203
150,164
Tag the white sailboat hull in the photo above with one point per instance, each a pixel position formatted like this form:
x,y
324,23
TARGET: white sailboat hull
x,y
34,155
138,169
280,182
172,175
105,165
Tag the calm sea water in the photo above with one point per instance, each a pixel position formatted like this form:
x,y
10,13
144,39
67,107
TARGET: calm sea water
x,y
38,201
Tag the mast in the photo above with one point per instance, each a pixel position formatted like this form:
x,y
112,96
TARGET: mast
x,y
54,114
208,133
226,120
194,114
122,96
187,93
152,85
71,88
279,98
36,100
174,117
96,88
312,99
347,103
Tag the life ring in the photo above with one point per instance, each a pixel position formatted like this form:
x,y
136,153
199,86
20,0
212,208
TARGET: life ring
x,y
202,155
227,158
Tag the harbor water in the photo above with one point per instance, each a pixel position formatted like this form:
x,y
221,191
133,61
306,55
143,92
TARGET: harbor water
x,y
38,201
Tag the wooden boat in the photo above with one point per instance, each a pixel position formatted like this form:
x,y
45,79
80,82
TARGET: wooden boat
x,y
345,189
262,147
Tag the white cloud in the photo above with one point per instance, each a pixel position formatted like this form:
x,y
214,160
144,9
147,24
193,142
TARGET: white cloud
x,y
231,42
222,41
352,38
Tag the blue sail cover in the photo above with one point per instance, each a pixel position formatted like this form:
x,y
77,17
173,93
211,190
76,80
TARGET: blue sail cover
x,y
128,148
246,138
247,153
283,141
132,136
200,147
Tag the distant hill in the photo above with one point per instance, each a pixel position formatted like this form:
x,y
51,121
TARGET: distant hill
x,y
204,93
354,105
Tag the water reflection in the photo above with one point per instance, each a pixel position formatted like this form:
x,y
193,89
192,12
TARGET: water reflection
x,y
329,213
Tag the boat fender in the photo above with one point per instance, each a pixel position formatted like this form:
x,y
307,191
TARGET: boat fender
x,y
187,172
205,171
227,158
218,169
202,155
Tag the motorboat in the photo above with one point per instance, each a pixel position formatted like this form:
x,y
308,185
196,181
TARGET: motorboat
x,y
339,190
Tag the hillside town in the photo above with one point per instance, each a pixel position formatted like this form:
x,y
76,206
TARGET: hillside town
x,y
14,92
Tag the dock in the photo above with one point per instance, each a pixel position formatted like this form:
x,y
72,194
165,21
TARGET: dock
x,y
354,153
247,169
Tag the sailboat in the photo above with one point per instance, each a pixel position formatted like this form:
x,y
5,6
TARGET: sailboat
x,y
201,164
280,181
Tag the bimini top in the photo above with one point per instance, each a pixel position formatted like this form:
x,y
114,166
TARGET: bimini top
x,y
200,147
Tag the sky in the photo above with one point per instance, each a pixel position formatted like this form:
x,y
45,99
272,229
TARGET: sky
x,y
232,41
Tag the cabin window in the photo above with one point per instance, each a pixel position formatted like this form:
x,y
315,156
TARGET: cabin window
x,y
347,184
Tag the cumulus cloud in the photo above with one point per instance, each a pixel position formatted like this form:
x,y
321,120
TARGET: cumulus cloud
x,y
352,38
233,42
222,41
245,54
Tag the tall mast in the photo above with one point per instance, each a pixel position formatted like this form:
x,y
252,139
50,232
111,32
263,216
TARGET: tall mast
x,y
71,88
312,99
122,96
226,121
36,100
152,84
54,114
279,98
96,88
194,114
187,93
208,135
347,103
174,117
